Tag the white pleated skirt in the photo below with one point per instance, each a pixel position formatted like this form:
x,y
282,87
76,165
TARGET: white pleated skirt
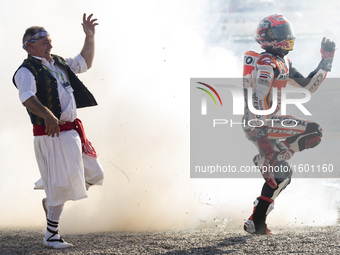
x,y
64,168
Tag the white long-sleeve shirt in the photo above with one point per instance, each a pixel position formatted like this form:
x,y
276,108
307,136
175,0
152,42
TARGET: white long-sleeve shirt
x,y
26,84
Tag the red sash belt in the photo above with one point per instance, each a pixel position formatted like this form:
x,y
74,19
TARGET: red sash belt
x,y
76,125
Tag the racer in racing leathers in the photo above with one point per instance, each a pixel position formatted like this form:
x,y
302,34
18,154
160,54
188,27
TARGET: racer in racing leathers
x,y
277,137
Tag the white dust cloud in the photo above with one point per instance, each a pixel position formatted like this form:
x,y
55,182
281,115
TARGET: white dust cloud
x,y
146,54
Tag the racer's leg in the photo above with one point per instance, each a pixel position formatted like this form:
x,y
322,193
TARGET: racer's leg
x,y
264,204
309,139
297,134
303,135
291,135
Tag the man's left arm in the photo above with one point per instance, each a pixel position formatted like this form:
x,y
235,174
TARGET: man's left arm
x,y
87,52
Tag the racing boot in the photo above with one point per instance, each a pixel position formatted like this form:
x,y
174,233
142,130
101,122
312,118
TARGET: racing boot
x,y
256,224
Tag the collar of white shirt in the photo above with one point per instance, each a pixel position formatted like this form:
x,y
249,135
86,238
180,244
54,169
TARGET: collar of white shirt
x,y
44,61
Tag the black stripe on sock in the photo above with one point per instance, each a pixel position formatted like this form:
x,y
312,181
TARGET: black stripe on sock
x,y
52,222
52,232
52,225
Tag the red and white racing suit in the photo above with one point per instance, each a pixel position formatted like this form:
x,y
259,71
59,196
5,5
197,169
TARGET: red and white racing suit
x,y
263,72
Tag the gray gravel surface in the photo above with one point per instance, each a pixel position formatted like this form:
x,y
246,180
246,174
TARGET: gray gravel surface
x,y
217,240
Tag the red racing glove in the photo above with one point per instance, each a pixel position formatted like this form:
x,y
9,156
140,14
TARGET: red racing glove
x,y
327,53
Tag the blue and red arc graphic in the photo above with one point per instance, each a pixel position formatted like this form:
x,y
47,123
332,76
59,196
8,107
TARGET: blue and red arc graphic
x,y
209,93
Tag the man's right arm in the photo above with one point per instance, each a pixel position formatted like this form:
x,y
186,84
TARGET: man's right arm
x,y
26,85
51,122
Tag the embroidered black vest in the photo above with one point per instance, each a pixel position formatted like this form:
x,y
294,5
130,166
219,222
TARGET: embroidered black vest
x,y
47,88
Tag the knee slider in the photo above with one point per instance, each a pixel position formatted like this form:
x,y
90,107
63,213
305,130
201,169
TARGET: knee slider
x,y
311,137
313,142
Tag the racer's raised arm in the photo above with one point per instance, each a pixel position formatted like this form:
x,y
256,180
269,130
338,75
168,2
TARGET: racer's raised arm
x,y
315,78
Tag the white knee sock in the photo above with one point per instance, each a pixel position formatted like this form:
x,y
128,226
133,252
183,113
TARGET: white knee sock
x,y
54,212
53,217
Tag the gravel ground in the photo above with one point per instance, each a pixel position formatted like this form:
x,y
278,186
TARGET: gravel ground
x,y
302,240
